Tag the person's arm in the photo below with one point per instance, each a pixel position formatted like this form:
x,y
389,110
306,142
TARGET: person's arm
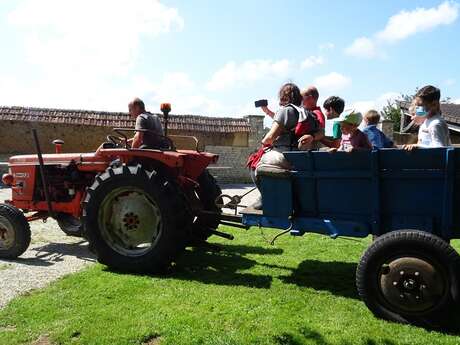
x,y
272,134
138,139
332,143
268,112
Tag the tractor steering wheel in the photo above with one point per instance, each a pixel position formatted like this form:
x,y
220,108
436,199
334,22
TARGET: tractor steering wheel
x,y
117,141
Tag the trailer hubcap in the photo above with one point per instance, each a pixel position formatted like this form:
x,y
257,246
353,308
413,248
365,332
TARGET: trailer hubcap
x,y
130,221
412,284
6,234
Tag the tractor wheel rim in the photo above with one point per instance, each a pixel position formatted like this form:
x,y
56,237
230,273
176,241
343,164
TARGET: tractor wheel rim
x,y
130,221
7,235
412,285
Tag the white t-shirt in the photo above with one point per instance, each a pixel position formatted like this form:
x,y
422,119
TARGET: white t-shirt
x,y
434,133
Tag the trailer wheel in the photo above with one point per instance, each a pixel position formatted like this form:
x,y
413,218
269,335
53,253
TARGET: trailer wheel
x,y
207,193
14,232
410,276
135,220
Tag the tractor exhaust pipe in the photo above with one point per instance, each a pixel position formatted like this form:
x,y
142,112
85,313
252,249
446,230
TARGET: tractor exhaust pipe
x,y
42,173
221,234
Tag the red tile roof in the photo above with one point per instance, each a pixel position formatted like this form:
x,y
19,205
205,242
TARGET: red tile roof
x,y
113,119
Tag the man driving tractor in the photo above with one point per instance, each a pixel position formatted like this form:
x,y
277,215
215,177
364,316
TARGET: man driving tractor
x,y
145,121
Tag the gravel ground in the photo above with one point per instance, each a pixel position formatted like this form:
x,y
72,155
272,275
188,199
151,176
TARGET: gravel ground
x,y
52,254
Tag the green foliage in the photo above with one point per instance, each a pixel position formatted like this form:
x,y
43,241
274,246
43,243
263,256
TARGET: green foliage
x,y
392,112
300,291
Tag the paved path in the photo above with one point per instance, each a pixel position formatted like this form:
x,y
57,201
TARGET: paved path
x,y
52,254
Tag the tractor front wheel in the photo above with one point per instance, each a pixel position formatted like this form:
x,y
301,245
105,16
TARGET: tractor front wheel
x,y
411,277
135,220
14,232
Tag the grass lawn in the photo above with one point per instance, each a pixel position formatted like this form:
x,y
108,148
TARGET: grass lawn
x,y
300,291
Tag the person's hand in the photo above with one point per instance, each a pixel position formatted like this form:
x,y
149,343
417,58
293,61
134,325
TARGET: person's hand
x,y
306,139
267,142
265,109
409,147
98,151
349,150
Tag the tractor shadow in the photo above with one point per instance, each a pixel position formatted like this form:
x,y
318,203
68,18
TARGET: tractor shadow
x,y
305,334
52,253
222,267
335,277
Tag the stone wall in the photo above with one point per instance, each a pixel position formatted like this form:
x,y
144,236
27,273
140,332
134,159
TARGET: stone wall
x,y
231,167
17,137
233,148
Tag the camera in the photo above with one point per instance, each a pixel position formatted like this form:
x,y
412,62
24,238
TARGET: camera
x,y
261,103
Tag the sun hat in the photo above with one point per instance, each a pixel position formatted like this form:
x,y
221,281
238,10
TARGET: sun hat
x,y
351,116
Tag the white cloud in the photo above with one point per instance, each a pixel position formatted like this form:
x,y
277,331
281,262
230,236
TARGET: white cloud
x,y
456,101
332,82
85,36
362,47
403,25
83,52
312,61
249,71
377,104
450,81
408,23
183,93
326,46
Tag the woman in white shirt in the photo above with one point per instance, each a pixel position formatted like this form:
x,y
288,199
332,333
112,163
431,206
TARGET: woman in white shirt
x,y
433,132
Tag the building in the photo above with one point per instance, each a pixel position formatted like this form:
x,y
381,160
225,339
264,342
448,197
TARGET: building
x,y
84,130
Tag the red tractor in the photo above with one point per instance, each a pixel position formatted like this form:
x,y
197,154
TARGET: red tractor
x,y
138,208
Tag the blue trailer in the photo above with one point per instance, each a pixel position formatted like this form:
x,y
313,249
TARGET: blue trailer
x,y
408,202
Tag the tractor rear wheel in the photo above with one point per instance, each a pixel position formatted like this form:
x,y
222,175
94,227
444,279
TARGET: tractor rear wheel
x,y
14,232
410,276
135,220
207,193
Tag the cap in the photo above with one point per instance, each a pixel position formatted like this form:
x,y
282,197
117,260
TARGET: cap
x,y
351,116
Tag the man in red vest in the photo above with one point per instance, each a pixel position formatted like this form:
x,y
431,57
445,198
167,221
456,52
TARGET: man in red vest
x,y
309,101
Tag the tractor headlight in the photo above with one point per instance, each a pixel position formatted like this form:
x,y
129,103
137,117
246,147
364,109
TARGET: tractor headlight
x,y
7,179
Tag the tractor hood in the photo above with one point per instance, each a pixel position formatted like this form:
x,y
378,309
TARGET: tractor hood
x,y
57,159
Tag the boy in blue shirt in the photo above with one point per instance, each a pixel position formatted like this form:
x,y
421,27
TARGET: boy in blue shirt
x,y
376,137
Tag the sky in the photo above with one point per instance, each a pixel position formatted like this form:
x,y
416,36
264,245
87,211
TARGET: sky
x,y
216,58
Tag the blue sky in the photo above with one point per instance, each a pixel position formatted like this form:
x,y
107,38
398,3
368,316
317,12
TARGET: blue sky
x,y
216,58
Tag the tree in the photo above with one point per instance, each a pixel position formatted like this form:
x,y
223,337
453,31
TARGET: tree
x,y
392,112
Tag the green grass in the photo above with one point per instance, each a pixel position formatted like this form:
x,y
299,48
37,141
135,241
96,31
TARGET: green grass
x,y
300,291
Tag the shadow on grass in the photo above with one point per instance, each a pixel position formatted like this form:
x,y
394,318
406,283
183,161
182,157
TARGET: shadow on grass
x,y
221,267
313,337
335,277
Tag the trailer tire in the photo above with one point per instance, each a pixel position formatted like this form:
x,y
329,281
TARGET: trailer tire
x,y
207,193
14,232
411,277
135,220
